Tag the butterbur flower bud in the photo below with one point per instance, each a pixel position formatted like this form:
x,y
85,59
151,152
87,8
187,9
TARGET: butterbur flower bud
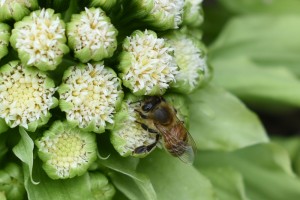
x,y
90,95
11,182
158,14
16,9
40,39
4,39
66,151
129,132
91,35
193,13
147,64
26,96
100,186
190,57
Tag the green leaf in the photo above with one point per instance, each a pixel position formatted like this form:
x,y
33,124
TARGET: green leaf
x,y
265,168
24,151
219,121
124,176
292,145
267,40
271,89
262,6
77,188
173,179
228,183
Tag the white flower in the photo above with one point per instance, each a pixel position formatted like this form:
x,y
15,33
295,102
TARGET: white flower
x,y
147,66
169,8
92,32
90,95
26,95
39,39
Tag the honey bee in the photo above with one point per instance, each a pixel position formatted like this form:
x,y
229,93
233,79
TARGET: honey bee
x,y
160,118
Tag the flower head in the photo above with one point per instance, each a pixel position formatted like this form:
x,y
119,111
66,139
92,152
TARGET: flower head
x,y
90,95
91,35
147,65
40,39
26,96
11,182
66,151
4,39
16,9
193,14
191,59
158,14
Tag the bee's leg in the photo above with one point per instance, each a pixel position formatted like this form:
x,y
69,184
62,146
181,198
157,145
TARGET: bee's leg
x,y
141,114
145,127
148,148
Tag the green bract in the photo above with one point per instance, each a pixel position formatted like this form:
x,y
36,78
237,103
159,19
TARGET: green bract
x,y
190,56
40,39
26,96
66,151
91,35
4,39
147,64
90,95
11,182
127,134
101,188
16,9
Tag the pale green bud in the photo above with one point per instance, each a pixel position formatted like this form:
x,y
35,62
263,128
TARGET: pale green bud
x,y
100,186
11,182
190,56
16,9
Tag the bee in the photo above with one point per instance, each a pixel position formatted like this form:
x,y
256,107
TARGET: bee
x,y
161,119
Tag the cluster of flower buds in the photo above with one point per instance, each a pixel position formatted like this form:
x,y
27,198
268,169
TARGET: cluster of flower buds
x,y
68,73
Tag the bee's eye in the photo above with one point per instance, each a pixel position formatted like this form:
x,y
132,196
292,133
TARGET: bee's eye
x,y
147,107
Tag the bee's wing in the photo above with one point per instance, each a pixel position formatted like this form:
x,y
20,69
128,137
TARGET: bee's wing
x,y
190,150
185,151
